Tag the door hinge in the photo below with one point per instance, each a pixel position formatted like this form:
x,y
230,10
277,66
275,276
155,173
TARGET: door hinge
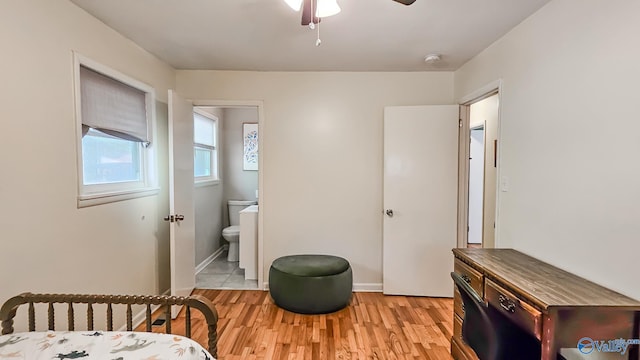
x,y
174,218
459,122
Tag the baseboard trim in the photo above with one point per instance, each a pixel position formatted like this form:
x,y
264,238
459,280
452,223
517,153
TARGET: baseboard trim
x,y
140,317
367,287
216,254
357,287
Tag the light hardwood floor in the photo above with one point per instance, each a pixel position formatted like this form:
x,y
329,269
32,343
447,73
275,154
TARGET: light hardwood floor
x,y
373,326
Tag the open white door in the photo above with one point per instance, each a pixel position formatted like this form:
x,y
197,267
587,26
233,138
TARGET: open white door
x,y
420,199
181,204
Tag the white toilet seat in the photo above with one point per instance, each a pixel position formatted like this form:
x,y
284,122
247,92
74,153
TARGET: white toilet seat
x,y
231,230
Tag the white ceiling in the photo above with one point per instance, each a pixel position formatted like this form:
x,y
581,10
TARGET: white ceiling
x,y
368,35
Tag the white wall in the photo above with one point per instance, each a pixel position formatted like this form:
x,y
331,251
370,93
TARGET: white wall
x,y
47,243
322,154
569,136
240,184
209,209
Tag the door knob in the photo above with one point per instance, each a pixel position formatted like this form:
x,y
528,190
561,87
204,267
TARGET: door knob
x,y
389,212
179,217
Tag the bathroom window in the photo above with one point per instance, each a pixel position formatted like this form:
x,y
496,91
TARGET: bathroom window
x,y
205,139
115,122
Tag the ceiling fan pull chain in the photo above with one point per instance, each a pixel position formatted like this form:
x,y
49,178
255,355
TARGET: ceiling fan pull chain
x,y
318,41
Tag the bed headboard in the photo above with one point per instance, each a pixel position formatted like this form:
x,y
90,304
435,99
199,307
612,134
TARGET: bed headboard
x,y
9,309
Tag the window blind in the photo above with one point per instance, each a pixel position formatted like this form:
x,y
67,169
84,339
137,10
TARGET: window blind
x,y
112,107
203,132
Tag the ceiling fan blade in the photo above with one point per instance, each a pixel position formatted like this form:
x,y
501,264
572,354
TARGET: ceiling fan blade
x,y
307,11
405,2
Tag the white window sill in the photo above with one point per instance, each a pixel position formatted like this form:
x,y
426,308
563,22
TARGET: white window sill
x,y
109,197
203,183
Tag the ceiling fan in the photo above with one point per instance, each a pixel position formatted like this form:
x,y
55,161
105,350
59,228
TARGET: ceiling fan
x,y
322,8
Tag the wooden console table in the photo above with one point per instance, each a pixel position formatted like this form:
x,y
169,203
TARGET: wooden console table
x,y
555,306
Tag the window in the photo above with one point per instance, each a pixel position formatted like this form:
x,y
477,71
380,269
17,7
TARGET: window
x,y
109,159
205,138
115,125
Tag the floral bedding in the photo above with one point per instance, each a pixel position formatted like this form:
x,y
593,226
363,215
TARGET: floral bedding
x,y
103,345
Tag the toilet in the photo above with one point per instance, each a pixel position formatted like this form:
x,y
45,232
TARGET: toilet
x,y
232,232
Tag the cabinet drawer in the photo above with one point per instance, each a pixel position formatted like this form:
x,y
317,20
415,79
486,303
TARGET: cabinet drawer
x,y
521,313
470,275
459,349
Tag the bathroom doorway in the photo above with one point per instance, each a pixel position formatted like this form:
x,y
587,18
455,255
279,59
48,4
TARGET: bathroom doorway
x,y
215,269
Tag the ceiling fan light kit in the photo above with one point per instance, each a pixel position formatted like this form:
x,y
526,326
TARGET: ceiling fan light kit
x,y
320,9
326,8
296,5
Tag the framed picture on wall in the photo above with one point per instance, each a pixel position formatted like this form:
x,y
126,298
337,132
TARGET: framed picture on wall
x,y
250,141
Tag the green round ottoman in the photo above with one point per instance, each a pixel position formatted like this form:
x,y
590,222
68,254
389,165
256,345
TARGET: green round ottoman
x,y
311,284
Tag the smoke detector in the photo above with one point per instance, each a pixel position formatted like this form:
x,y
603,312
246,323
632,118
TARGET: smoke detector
x,y
432,58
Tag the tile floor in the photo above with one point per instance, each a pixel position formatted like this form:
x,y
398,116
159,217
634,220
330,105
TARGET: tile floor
x,y
222,274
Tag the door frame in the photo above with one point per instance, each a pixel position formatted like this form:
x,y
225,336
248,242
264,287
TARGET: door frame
x,y
465,102
259,104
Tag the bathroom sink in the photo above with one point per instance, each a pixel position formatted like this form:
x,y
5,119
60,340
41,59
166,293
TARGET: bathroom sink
x,y
252,208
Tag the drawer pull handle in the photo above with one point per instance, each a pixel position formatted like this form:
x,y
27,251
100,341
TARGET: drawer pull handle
x,y
507,304
466,279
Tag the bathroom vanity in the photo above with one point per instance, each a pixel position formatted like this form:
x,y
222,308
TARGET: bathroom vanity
x,y
249,242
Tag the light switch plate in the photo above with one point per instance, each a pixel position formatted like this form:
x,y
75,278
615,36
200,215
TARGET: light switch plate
x,y
504,184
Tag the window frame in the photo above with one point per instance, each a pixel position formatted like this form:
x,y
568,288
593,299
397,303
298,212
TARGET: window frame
x,y
214,178
96,194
